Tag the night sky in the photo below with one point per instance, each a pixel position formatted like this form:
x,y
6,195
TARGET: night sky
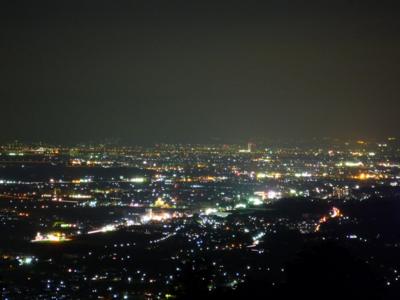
x,y
194,71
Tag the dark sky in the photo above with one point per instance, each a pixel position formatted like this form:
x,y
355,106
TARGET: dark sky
x,y
189,71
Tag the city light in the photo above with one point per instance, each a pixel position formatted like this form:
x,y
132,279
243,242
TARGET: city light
x,y
53,237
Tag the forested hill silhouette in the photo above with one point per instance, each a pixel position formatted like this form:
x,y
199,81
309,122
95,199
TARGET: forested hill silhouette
x,y
322,270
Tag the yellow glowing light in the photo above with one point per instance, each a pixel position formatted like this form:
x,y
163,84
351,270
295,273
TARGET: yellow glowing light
x,y
334,213
54,237
353,164
160,203
138,180
365,176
